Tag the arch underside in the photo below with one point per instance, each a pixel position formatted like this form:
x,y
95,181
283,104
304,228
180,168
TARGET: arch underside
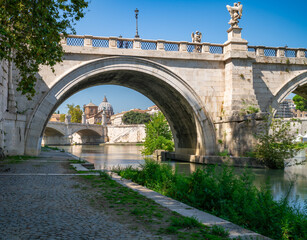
x,y
87,132
301,90
174,106
52,132
297,85
192,129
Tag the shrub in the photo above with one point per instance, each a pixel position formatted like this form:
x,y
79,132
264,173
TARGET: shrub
x,y
276,142
222,193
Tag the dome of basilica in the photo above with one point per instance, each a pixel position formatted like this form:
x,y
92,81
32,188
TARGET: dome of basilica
x,y
105,105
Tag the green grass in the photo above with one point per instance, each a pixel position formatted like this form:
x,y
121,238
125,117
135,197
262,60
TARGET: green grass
x,y
224,194
17,159
47,148
140,212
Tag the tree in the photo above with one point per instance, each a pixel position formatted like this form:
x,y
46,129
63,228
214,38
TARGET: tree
x,y
75,112
30,34
300,102
132,117
276,142
158,135
62,117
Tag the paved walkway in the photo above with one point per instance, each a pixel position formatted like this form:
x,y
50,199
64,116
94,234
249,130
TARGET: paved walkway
x,y
38,201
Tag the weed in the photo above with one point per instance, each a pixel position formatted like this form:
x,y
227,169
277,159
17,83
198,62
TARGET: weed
x,y
224,153
220,231
185,222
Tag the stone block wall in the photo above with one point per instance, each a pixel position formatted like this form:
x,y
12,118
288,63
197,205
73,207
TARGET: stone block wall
x,y
126,133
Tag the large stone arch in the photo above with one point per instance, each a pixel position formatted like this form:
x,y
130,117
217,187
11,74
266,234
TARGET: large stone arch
x,y
192,128
296,85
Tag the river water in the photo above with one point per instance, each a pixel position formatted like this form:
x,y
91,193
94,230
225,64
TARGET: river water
x,y
108,156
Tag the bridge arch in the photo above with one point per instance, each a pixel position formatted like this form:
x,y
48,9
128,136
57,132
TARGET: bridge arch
x,y
87,132
50,131
296,85
192,128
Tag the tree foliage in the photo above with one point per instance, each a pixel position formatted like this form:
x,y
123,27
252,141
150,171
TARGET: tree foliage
x,y
62,117
75,112
132,117
300,102
30,34
276,142
158,135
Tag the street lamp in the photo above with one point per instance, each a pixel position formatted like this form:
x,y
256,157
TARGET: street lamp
x,y
136,17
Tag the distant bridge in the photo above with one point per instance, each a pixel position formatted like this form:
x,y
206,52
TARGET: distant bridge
x,y
58,133
61,133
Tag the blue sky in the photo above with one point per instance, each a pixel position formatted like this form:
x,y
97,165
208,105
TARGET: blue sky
x,y
267,23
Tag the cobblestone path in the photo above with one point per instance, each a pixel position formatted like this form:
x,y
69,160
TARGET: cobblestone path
x,y
36,206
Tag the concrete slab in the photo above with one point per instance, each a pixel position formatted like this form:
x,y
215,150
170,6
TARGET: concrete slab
x,y
79,167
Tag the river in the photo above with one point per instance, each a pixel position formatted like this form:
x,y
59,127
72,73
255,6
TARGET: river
x,y
108,156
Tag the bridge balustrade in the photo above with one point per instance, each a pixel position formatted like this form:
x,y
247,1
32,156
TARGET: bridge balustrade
x,y
278,51
161,45
158,45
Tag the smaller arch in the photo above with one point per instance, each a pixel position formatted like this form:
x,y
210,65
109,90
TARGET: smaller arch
x,y
87,132
295,85
50,131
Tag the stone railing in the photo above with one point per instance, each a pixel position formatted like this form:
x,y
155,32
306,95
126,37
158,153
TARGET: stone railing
x,y
141,44
278,51
162,45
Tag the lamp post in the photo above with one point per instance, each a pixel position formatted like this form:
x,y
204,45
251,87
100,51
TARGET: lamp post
x,y
136,17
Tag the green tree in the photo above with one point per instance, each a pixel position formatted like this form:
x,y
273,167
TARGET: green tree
x,y
300,102
276,142
30,34
132,117
75,112
62,117
158,135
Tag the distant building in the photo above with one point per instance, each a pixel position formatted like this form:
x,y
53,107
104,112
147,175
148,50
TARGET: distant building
x,y
55,118
98,114
287,110
104,114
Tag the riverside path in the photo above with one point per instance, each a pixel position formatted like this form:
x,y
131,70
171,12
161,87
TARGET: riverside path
x,y
38,200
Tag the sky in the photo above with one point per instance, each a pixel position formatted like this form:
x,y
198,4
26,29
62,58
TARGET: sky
x,y
272,23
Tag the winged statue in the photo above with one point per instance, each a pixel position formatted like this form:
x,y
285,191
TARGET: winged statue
x,y
235,13
196,38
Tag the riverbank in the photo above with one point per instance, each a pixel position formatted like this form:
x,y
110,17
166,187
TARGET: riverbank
x,y
43,197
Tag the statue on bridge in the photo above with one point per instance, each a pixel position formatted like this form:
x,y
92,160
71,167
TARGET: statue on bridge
x,y
196,38
235,13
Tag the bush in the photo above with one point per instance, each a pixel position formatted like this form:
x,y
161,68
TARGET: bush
x,y
222,193
276,142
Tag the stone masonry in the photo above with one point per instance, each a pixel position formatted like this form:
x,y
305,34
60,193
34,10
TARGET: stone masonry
x,y
203,94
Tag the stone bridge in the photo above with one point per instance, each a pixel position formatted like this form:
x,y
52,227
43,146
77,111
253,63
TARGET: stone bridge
x,y
58,133
205,90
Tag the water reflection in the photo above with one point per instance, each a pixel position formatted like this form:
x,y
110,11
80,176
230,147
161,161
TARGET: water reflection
x,y
107,156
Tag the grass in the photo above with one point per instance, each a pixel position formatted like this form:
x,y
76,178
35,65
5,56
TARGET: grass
x,y
224,194
138,212
16,159
47,148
